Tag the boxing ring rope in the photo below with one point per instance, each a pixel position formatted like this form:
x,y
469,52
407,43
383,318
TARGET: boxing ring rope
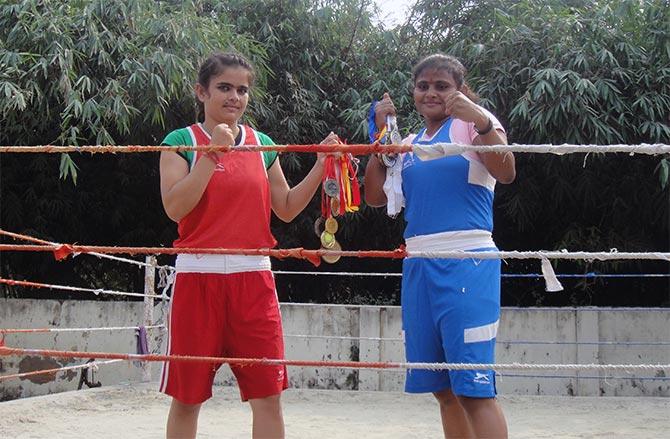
x,y
57,330
96,291
504,275
344,337
150,267
63,250
6,351
361,365
99,255
356,149
89,365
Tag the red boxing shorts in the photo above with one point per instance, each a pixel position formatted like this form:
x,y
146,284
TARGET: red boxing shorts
x,y
224,315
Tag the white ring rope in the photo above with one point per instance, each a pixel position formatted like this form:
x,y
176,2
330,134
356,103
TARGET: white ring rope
x,y
341,337
90,365
586,377
113,258
506,342
339,273
590,275
97,291
542,254
386,365
109,328
349,338
499,366
120,259
455,148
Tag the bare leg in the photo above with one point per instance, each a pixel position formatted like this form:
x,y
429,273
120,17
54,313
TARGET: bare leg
x,y
486,417
183,420
455,421
268,420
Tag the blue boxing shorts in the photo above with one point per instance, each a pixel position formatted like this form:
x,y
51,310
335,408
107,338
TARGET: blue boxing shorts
x,y
450,313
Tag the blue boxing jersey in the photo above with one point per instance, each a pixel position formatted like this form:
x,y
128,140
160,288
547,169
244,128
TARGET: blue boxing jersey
x,y
449,193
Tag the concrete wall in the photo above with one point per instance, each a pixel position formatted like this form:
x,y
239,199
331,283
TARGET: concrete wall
x,y
352,333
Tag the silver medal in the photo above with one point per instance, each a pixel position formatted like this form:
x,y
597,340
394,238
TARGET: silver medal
x,y
332,188
392,137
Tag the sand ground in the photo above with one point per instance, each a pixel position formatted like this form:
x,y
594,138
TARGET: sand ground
x,y
139,411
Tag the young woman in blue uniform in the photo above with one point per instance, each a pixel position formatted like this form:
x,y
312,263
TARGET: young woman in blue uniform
x,y
450,307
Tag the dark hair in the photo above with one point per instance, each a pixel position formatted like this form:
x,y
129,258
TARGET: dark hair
x,y
217,63
452,65
214,65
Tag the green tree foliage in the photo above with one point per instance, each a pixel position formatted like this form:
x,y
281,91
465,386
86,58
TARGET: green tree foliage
x,y
97,72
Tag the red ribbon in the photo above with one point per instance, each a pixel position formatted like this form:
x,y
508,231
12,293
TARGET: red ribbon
x,y
63,251
311,256
329,173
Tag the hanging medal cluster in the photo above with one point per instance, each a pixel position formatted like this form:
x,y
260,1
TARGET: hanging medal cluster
x,y
390,135
340,194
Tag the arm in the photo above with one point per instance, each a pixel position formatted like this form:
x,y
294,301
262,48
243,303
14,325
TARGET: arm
x,y
375,171
181,190
501,166
384,108
288,202
373,182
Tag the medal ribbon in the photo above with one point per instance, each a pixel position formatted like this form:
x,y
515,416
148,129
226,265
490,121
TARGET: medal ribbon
x,y
343,171
354,192
329,173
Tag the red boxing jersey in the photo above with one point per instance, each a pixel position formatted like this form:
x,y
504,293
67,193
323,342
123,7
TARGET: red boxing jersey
x,y
235,209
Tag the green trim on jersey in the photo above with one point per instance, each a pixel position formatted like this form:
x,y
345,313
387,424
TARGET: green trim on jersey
x,y
182,137
269,157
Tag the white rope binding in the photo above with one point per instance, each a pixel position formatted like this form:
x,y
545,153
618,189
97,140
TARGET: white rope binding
x,y
496,367
588,256
444,149
109,328
98,291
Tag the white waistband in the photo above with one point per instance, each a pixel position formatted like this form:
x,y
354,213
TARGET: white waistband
x,y
222,264
459,240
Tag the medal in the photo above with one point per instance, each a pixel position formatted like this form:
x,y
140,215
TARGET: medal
x,y
331,259
393,137
318,226
331,225
388,160
332,188
340,194
335,206
327,240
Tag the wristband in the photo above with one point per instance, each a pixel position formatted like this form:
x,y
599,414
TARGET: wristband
x,y
486,130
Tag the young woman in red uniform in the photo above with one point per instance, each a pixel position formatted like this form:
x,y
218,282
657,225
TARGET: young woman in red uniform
x,y
226,305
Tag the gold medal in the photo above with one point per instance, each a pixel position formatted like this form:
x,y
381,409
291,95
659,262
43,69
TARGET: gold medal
x,y
327,240
335,206
331,259
331,225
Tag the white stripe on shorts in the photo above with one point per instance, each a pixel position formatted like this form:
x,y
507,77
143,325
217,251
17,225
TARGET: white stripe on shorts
x,y
481,333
